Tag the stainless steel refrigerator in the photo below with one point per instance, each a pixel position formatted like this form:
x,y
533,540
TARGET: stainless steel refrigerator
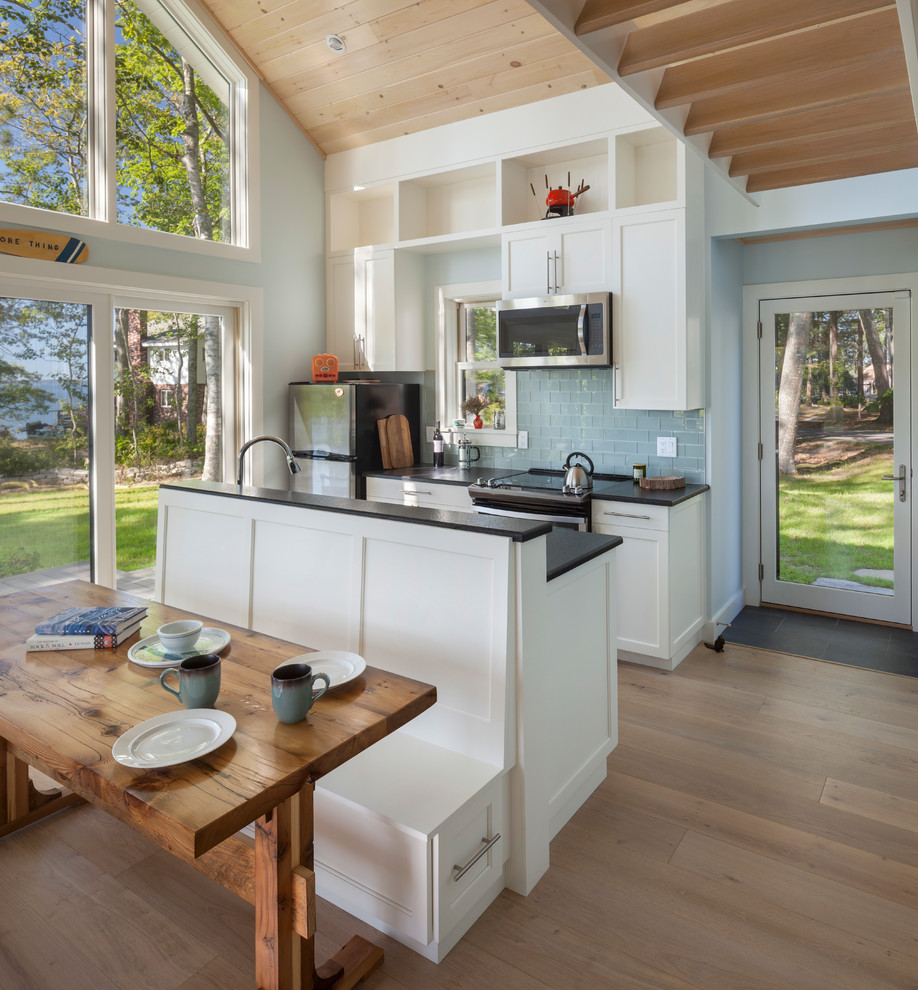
x,y
334,435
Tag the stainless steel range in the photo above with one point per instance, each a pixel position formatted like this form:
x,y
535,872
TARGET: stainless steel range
x,y
540,493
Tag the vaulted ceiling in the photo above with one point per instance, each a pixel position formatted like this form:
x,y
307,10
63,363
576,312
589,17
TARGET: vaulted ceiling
x,y
777,92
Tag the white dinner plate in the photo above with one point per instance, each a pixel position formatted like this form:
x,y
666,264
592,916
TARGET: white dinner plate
x,y
340,666
173,738
150,652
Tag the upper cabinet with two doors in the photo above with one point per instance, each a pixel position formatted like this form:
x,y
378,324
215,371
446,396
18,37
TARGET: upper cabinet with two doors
x,y
633,232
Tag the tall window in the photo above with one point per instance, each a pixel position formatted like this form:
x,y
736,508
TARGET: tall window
x,y
163,152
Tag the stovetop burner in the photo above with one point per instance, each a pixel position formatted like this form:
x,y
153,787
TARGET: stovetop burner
x,y
541,483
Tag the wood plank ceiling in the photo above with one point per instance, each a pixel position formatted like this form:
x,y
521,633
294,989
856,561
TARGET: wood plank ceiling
x,y
779,92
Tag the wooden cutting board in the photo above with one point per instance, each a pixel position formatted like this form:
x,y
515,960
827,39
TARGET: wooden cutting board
x,y
663,482
395,442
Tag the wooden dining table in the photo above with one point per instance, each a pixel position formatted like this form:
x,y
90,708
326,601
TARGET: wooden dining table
x,y
62,711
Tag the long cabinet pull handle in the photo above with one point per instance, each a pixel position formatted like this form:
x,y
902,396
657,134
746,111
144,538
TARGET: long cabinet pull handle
x,y
625,515
460,871
415,491
548,273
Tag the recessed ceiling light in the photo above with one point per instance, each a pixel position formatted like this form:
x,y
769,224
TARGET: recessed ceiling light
x,y
335,43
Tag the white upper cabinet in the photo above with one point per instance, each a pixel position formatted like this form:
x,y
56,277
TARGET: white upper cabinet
x,y
558,256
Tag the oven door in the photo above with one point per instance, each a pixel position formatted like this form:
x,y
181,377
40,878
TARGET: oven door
x,y
562,519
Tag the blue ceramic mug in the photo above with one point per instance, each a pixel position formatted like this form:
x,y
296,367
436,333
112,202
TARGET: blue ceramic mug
x,y
292,693
198,681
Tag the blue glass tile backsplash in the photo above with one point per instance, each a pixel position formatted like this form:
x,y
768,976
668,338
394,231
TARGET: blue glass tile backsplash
x,y
574,410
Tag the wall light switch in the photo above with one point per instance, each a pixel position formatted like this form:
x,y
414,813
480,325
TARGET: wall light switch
x,y
666,446
522,440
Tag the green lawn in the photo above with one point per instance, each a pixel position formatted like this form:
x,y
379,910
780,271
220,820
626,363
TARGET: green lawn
x,y
836,521
49,527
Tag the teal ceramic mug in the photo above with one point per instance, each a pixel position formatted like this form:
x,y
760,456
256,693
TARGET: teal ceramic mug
x,y
292,691
198,681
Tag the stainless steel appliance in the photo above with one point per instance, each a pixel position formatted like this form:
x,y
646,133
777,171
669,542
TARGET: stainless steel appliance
x,y
555,331
334,436
540,493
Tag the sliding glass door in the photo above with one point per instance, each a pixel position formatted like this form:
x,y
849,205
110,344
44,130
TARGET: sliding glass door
x,y
103,398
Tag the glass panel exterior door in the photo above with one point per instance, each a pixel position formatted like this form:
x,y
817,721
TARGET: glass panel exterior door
x,y
45,446
836,464
168,395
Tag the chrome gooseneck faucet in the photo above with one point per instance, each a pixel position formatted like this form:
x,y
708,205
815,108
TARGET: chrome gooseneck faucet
x,y
291,460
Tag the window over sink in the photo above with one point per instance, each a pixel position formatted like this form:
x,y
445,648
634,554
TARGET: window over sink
x,y
468,369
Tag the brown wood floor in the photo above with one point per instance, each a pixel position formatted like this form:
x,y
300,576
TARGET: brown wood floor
x,y
758,830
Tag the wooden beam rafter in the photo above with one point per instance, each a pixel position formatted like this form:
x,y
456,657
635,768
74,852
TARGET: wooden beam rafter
x,y
820,149
729,25
840,43
894,109
824,88
883,161
599,14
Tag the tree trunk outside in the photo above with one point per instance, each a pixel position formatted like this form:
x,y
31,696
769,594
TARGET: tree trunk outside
x,y
798,338
833,358
875,347
213,401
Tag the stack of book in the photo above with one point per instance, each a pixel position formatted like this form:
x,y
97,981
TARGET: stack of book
x,y
87,628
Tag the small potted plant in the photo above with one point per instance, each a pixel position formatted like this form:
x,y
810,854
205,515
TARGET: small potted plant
x,y
473,406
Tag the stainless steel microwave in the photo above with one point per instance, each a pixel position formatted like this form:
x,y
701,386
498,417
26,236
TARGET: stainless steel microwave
x,y
555,331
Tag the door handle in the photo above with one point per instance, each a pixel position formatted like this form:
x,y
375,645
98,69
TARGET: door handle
x,y
902,478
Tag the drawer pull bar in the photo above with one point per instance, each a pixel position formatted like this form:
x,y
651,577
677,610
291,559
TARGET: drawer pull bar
x,y
415,491
625,515
460,871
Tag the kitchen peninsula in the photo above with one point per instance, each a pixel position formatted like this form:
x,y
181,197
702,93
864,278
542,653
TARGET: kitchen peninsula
x,y
513,622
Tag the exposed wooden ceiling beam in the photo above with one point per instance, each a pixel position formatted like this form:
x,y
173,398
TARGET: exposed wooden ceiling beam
x,y
776,98
727,26
884,161
599,14
894,109
820,149
840,43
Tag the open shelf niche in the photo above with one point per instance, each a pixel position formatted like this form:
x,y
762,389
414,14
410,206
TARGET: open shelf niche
x,y
362,217
587,162
646,168
445,203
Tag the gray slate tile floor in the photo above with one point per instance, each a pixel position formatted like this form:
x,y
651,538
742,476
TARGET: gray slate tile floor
x,y
825,637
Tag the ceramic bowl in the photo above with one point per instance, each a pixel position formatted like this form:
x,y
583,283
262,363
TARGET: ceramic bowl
x,y
180,636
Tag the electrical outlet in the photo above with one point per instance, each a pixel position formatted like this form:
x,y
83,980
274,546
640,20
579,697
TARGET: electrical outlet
x,y
522,439
666,446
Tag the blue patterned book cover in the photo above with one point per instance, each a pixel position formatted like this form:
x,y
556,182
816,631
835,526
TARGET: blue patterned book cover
x,y
86,620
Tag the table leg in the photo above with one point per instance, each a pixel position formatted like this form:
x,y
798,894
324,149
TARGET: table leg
x,y
283,960
20,802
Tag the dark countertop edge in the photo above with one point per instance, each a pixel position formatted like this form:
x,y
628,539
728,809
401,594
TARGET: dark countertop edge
x,y
517,530
628,491
567,549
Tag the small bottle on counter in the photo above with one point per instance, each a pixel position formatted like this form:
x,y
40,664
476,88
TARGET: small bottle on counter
x,y
639,471
437,446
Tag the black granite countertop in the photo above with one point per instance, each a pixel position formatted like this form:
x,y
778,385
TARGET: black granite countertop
x,y
628,491
565,548
519,530
568,548
619,491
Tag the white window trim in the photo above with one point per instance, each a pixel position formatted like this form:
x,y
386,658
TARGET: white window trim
x,y
217,46
448,296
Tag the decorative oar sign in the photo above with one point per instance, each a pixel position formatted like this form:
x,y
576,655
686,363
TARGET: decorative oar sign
x,y
47,247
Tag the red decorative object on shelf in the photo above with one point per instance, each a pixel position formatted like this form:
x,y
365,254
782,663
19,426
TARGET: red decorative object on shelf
x,y
478,422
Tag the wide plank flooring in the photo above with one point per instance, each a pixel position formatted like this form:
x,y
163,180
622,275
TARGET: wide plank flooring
x,y
758,830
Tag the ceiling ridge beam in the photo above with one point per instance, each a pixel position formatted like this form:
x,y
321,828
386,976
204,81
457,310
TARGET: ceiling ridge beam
x,y
870,77
848,118
842,42
729,25
599,14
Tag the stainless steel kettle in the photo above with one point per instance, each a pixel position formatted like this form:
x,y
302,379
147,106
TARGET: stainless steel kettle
x,y
576,475
465,453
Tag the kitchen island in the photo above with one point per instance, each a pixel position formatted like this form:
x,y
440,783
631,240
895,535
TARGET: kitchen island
x,y
513,623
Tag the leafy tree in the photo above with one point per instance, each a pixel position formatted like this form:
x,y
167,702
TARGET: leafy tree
x,y
20,396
